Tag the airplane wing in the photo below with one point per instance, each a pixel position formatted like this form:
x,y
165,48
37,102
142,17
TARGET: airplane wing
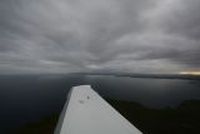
x,y
85,112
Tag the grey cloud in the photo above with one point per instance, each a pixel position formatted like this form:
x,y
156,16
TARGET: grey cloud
x,y
68,36
184,19
180,21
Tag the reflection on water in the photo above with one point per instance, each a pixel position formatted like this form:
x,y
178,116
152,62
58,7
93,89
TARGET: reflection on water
x,y
24,99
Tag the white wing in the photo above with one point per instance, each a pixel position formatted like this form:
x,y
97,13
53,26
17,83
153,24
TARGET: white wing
x,y
87,113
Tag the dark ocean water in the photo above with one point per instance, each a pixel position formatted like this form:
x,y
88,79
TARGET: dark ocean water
x,y
28,98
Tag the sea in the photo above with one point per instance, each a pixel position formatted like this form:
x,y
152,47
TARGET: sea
x,y
28,98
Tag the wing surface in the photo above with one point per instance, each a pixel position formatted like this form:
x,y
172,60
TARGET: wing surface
x,y
87,113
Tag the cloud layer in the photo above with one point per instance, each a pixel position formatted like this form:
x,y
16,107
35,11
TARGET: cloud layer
x,y
60,36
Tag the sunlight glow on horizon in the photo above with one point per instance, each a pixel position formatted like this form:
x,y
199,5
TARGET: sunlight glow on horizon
x,y
190,73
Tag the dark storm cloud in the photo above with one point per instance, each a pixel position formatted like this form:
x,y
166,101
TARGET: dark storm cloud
x,y
48,36
179,21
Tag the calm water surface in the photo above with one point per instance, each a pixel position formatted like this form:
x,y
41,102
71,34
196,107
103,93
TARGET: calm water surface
x,y
28,98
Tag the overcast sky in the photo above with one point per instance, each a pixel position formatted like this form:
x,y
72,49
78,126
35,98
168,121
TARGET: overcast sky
x,y
61,36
